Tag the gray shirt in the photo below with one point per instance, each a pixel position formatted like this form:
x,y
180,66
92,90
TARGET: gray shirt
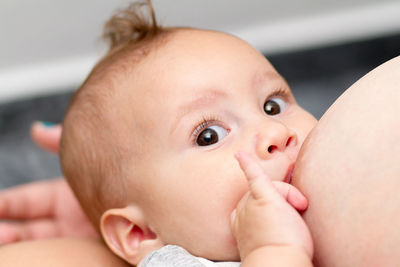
x,y
175,256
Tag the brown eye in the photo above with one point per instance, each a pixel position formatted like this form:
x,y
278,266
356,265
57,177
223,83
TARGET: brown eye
x,y
211,135
274,106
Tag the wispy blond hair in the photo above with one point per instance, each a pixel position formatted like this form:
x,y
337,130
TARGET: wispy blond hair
x,y
93,157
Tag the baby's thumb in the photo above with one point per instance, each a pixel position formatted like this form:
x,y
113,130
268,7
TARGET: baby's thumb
x,y
292,195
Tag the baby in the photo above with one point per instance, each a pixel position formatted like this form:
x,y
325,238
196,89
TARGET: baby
x,y
149,145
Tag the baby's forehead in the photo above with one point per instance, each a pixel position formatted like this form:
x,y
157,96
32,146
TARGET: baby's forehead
x,y
196,57
180,54
190,63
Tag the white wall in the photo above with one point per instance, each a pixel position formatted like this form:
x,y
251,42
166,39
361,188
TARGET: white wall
x,y
50,45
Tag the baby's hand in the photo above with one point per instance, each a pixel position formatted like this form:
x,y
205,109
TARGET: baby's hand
x,y
266,216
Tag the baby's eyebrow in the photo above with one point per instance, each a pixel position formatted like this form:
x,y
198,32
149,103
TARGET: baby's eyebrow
x,y
207,98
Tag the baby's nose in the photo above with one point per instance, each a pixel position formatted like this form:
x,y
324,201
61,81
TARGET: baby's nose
x,y
274,138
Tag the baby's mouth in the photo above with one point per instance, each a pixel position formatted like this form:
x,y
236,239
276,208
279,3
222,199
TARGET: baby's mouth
x,y
289,172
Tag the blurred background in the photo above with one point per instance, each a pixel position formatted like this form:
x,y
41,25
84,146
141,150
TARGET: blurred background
x,y
48,47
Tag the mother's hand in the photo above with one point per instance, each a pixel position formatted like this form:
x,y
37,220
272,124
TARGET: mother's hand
x,y
42,209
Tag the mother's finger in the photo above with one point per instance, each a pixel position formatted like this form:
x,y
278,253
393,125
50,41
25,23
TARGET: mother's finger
x,y
47,137
28,201
35,229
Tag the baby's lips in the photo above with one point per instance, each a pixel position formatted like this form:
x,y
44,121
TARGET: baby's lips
x,y
233,216
289,172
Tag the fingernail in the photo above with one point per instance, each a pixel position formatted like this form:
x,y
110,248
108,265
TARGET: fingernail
x,y
240,154
44,124
47,124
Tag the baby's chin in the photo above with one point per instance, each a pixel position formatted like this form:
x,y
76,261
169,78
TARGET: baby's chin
x,y
231,254
214,250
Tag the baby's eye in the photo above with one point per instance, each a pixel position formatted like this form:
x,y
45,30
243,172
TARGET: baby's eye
x,y
274,106
211,135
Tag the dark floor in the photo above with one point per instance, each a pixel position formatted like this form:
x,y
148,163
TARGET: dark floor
x,y
317,78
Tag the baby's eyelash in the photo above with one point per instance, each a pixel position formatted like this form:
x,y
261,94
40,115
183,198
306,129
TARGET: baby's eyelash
x,y
280,91
203,124
208,120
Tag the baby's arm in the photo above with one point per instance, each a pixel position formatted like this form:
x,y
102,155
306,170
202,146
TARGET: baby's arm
x,y
268,229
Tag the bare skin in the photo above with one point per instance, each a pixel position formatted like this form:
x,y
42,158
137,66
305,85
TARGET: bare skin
x,y
59,252
349,170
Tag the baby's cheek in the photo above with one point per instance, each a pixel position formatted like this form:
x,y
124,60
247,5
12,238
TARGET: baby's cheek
x,y
239,189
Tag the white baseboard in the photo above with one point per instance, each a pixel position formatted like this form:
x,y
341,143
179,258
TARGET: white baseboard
x,y
45,78
298,33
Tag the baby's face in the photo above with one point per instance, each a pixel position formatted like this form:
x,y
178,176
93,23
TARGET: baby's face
x,y
196,101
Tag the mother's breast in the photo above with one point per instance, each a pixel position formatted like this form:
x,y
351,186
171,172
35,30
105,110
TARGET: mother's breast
x,y
349,168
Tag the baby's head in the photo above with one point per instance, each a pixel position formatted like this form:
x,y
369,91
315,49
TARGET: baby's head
x,y
149,139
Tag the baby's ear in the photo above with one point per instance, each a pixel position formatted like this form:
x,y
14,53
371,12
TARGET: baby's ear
x,y
127,235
